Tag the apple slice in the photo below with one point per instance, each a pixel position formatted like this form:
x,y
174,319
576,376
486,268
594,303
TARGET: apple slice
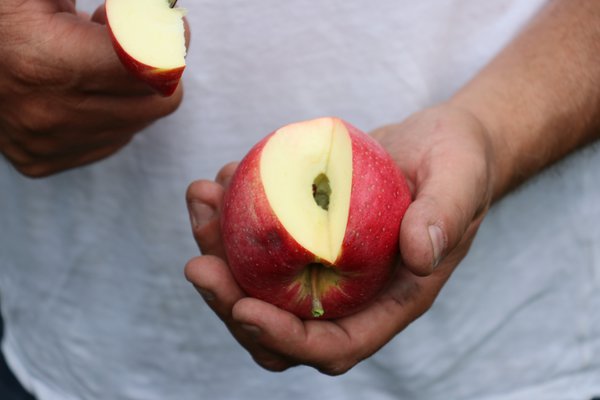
x,y
311,218
149,38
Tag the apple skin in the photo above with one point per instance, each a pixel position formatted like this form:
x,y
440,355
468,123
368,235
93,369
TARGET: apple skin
x,y
164,81
266,261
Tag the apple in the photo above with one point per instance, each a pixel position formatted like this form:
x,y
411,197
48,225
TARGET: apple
x,y
149,38
311,219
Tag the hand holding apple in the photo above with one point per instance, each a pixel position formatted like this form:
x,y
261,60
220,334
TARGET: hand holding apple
x,y
65,99
312,216
447,160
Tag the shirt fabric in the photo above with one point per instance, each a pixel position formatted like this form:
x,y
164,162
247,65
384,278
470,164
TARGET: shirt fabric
x,y
91,260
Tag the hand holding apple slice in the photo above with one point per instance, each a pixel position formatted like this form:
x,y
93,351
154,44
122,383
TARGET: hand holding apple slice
x,y
149,38
311,219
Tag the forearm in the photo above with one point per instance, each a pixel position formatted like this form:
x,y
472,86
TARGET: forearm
x,y
540,97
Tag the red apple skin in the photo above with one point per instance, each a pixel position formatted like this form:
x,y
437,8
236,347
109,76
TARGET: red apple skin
x,y
266,261
164,81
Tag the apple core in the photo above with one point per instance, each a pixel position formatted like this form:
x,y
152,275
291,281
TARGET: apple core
x,y
321,191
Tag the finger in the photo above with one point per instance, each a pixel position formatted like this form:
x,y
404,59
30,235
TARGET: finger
x,y
226,173
99,15
447,201
204,203
13,152
39,168
67,6
213,280
52,127
334,347
204,200
323,345
61,115
93,62
112,112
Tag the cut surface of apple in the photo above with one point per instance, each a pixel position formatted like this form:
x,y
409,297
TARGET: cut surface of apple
x,y
301,163
149,37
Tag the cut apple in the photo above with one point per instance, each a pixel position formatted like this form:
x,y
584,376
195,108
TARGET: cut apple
x,y
149,38
298,160
311,218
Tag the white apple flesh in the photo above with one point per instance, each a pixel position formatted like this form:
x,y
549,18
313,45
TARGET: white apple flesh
x,y
311,219
149,38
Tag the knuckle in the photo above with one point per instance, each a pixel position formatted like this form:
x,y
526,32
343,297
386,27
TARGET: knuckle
x,y
34,170
40,121
15,155
170,104
271,364
41,147
336,368
35,116
32,69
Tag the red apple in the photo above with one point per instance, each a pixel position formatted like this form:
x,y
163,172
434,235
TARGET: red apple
x,y
311,219
149,38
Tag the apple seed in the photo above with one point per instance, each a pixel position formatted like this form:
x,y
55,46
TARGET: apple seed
x,y
321,191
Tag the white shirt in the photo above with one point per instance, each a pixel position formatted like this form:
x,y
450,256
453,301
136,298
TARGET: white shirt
x,y
93,294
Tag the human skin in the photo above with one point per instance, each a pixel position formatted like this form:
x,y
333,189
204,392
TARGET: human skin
x,y
535,103
65,98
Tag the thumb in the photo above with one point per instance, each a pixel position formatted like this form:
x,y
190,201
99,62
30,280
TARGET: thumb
x,y
88,53
447,203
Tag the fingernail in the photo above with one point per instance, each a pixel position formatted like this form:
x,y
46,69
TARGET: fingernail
x,y
437,243
252,330
200,214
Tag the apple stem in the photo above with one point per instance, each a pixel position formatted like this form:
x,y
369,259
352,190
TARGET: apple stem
x,y
172,3
317,307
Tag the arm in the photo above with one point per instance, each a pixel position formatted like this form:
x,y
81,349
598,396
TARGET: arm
x,y
533,104
65,99
540,98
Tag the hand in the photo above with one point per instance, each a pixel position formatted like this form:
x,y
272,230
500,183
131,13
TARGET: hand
x,y
65,99
448,160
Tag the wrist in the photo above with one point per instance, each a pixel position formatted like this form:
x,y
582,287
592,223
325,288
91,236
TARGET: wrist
x,y
502,161
539,99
